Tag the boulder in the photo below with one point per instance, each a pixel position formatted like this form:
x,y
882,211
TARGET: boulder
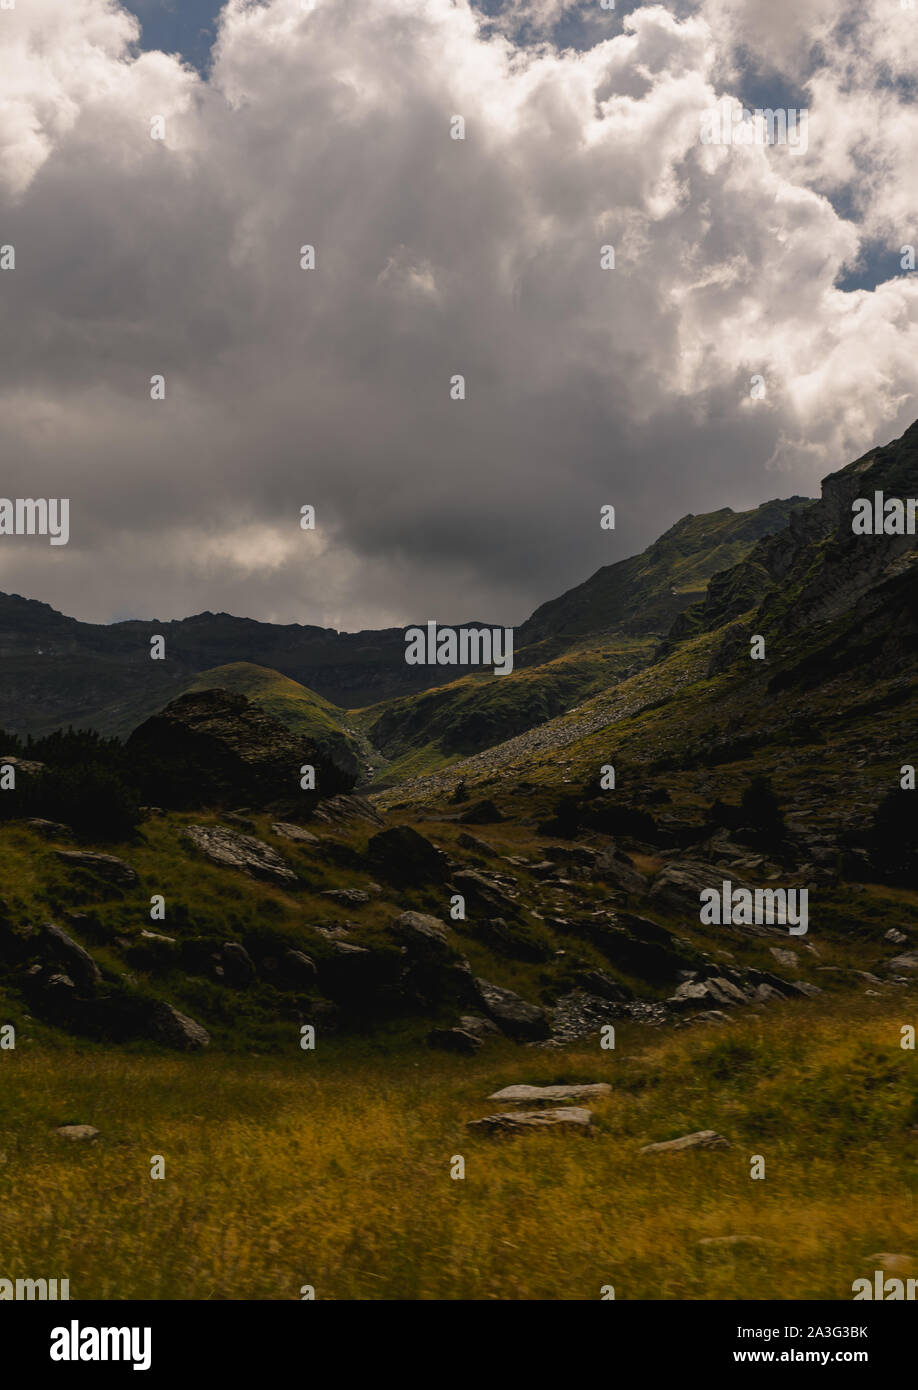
x,y
525,1121
348,897
476,846
56,830
907,962
232,850
483,893
614,867
599,983
518,942
512,1014
287,831
77,1132
679,884
343,810
166,1025
701,1139
104,866
482,812
68,954
299,970
453,1040
592,1090
637,946
216,748
402,855
237,964
424,938
478,1027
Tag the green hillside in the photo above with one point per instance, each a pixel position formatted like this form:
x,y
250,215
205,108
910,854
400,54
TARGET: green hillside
x,y
301,710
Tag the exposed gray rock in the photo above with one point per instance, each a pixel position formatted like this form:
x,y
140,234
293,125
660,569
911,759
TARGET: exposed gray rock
x,y
166,1025
299,969
479,1027
475,846
701,1139
53,829
453,1040
512,1014
287,831
572,1117
907,962
710,1018
423,937
483,893
350,897
613,866
232,850
66,952
104,866
77,1132
598,982
343,810
591,1090
578,1014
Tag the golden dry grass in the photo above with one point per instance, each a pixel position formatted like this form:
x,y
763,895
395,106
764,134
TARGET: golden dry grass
x,y
333,1168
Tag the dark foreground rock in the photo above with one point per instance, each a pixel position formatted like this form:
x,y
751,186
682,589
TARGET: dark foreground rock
x,y
216,748
403,856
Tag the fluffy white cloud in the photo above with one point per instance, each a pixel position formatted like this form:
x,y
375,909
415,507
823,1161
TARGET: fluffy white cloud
x,y
329,124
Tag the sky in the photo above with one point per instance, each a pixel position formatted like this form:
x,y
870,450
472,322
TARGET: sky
x,y
758,329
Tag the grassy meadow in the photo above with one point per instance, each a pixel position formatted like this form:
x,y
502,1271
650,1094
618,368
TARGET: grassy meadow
x,y
332,1168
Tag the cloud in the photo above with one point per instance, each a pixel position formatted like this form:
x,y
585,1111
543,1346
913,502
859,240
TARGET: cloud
x,y
329,126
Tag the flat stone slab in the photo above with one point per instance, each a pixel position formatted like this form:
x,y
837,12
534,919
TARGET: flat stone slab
x,y
231,850
106,866
701,1139
76,1132
587,1091
296,833
522,1121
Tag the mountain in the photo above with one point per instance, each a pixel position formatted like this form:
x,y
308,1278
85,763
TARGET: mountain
x,y
646,592
59,671
827,713
777,770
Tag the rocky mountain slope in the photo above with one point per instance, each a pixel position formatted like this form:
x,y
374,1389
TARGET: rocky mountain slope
x,y
579,896
59,671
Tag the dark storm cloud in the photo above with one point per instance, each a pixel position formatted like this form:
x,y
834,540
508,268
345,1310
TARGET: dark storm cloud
x,y
330,126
